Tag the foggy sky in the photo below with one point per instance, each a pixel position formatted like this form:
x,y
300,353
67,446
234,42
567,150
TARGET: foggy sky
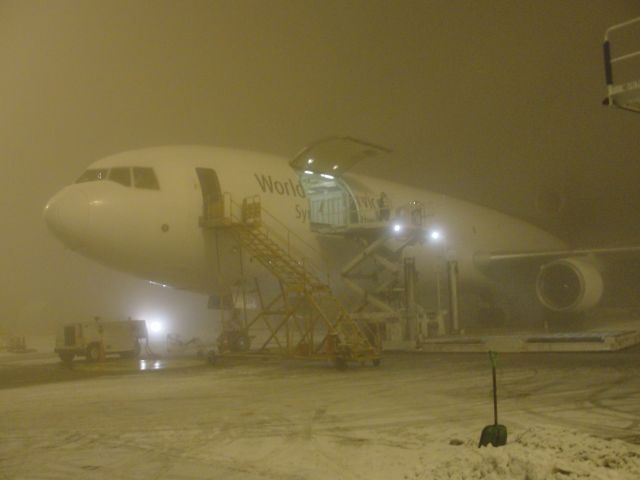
x,y
493,101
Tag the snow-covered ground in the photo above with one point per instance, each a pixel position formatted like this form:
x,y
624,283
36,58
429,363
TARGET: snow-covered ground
x,y
569,416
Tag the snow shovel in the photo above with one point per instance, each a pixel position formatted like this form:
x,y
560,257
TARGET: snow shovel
x,y
495,434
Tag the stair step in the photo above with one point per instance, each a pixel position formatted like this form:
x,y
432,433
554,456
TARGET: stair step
x,y
300,284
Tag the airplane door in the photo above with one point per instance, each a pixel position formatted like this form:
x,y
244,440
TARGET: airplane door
x,y
211,192
209,185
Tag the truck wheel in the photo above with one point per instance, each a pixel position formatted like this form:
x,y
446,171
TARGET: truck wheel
x,y
93,352
66,357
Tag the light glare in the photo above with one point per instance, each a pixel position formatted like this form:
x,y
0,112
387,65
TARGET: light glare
x,y
156,327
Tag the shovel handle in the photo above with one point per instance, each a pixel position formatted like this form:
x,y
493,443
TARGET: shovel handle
x,y
493,356
495,396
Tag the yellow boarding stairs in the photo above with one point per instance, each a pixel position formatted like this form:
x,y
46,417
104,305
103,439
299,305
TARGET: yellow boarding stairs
x,y
305,319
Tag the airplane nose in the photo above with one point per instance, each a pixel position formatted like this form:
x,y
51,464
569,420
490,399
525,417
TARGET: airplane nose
x,y
67,216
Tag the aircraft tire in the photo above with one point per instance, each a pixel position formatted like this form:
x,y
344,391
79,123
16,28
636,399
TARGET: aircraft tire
x,y
241,343
340,363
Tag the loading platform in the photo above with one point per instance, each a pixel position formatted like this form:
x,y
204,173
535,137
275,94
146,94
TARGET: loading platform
x,y
606,341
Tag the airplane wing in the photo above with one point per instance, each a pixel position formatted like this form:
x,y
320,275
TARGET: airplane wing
x,y
335,155
490,258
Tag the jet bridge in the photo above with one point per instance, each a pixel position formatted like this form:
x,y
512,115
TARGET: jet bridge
x,y
622,65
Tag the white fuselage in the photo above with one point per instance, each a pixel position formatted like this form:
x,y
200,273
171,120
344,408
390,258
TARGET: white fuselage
x,y
155,233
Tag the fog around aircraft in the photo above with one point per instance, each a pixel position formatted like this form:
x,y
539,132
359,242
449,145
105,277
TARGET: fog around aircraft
x,y
142,212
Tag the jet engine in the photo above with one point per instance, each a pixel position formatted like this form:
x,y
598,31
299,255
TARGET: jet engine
x,y
569,285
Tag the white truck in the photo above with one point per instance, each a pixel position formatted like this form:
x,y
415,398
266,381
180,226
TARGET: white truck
x,y
96,339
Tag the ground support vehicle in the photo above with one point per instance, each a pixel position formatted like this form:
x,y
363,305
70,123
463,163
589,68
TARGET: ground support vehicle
x,y
94,340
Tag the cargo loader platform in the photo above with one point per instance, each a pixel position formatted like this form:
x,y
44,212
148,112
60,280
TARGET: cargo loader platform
x,y
606,341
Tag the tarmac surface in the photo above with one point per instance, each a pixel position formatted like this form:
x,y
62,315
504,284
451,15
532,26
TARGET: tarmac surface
x,y
255,418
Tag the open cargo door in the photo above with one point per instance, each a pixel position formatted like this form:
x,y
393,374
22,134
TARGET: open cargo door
x,y
336,155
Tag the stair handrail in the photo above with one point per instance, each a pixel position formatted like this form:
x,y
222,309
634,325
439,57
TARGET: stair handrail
x,y
291,250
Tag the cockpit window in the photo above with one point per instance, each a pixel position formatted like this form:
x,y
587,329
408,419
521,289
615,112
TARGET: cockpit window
x,y
145,177
93,175
121,175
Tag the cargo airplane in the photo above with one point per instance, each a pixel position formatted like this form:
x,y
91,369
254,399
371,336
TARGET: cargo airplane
x,y
142,212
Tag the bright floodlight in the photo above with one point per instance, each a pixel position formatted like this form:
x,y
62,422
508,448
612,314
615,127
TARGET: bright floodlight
x,y
397,228
156,327
310,161
308,172
325,175
436,235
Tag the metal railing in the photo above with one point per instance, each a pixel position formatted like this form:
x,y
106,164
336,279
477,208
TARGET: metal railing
x,y
251,213
614,89
411,213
